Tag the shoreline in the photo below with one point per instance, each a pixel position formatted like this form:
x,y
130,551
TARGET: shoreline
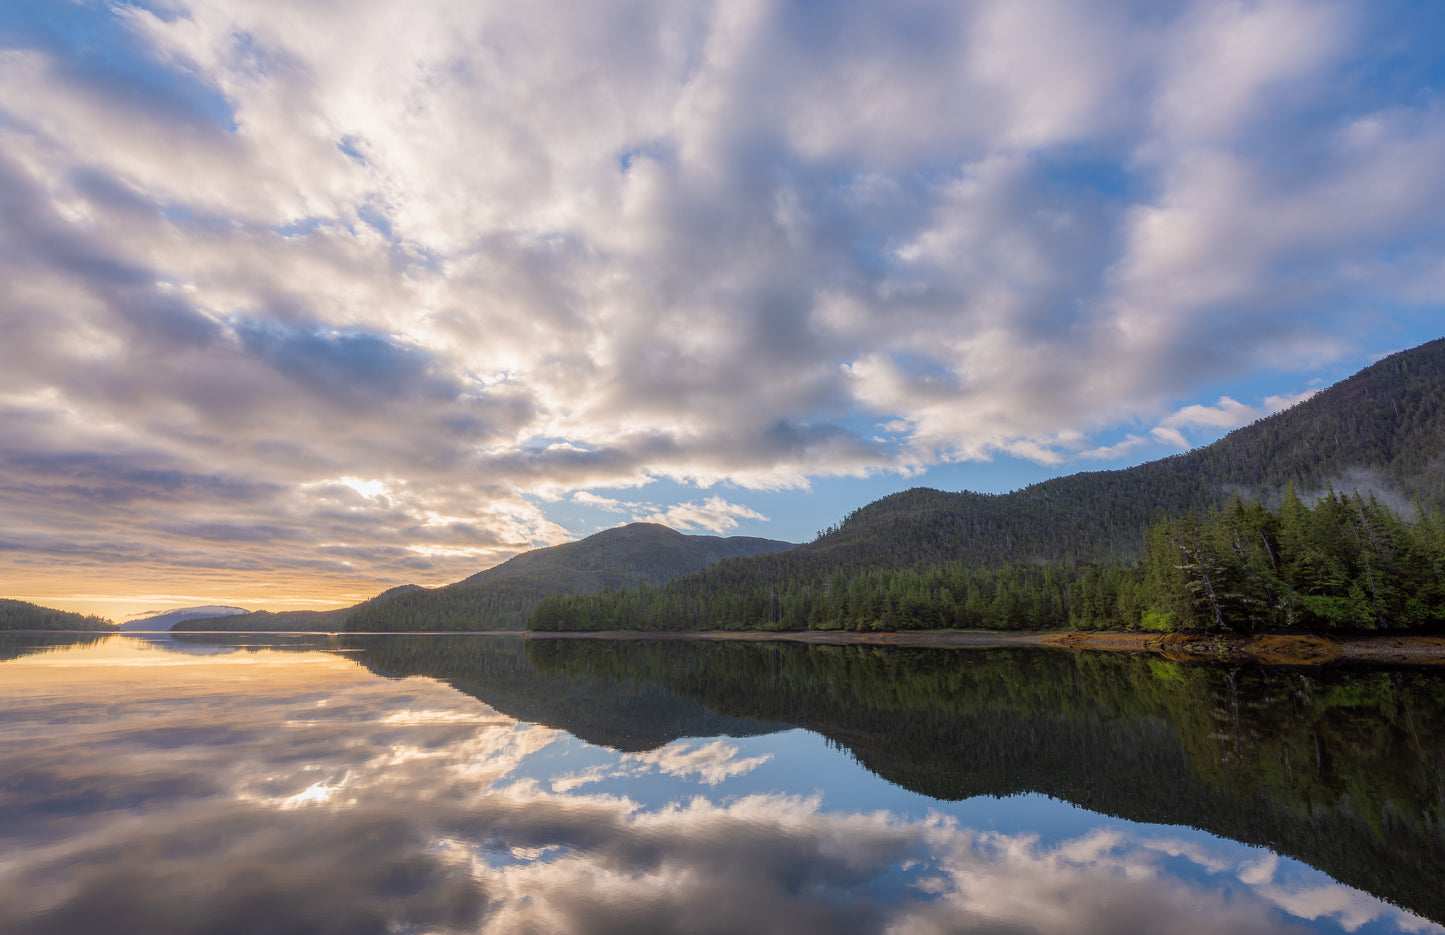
x,y
1271,649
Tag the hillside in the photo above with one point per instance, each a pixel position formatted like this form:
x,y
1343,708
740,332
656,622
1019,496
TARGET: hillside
x,y
1381,430
22,615
502,597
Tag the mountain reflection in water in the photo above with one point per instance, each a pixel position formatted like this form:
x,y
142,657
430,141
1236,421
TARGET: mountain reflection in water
x,y
539,786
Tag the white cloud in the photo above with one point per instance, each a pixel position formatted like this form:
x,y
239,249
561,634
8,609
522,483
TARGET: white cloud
x,y
1228,413
1117,450
714,513
711,762
1281,402
1225,63
1170,436
611,505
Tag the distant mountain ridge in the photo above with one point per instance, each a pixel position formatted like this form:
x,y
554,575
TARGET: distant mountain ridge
x,y
501,597
297,621
169,619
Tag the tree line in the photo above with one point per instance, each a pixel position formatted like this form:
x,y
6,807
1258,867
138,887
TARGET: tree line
x,y
1343,561
22,615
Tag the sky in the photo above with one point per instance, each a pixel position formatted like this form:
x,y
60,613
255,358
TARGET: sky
x,y
301,301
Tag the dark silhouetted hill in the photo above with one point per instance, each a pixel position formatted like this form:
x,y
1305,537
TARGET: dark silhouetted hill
x,y
501,598
22,615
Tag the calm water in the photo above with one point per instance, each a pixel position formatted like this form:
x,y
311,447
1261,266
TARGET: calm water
x,y
462,784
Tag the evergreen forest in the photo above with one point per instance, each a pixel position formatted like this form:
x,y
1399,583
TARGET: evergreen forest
x,y
1343,562
22,615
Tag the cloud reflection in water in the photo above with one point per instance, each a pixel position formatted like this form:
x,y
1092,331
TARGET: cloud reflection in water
x,y
225,794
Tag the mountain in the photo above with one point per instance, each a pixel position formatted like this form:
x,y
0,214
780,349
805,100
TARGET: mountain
x,y
170,618
301,621
502,597
22,615
1381,431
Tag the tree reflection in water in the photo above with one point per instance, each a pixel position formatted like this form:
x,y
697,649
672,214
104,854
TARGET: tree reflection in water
x,y
270,791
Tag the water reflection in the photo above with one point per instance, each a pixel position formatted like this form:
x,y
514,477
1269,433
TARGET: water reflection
x,y
295,791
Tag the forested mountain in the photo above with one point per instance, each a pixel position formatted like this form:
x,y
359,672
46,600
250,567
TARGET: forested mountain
x,y
1346,562
22,615
501,598
1382,429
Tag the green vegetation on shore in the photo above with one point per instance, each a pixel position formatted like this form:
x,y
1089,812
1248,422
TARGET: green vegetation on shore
x,y
1345,562
21,615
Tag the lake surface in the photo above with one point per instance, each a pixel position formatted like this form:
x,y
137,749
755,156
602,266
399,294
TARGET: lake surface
x,y
396,784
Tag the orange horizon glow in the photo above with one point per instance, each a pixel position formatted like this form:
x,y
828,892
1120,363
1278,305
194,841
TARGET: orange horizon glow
x,y
123,598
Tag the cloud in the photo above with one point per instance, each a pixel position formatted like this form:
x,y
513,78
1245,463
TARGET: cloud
x,y
1227,414
713,514
712,763
1116,450
489,254
611,505
1170,436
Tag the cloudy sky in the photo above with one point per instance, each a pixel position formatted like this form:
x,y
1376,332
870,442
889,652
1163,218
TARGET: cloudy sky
x,y
300,301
